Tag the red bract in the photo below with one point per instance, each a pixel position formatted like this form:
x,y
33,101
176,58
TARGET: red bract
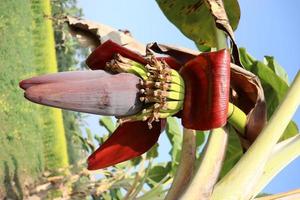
x,y
205,105
105,52
130,140
207,90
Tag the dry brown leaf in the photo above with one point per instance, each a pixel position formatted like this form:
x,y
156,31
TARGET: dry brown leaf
x,y
181,54
92,34
250,98
218,11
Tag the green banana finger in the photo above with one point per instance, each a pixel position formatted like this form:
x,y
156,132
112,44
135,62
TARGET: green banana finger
x,y
172,105
138,70
176,88
167,114
175,95
176,75
136,64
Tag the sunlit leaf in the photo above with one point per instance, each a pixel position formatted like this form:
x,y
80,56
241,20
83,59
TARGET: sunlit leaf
x,y
86,143
89,134
107,123
200,139
125,183
156,193
274,65
153,152
274,86
233,153
158,172
290,131
175,137
194,19
203,48
136,161
115,193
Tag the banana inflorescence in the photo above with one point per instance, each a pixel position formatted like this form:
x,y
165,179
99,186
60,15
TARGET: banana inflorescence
x,y
161,88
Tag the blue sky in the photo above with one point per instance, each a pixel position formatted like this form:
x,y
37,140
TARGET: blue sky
x,y
266,28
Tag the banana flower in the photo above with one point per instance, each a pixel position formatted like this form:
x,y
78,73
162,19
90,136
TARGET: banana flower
x,y
141,91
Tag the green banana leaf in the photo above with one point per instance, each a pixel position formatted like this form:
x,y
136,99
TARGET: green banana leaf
x,y
274,82
195,20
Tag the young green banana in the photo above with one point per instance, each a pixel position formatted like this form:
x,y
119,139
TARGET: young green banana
x,y
162,89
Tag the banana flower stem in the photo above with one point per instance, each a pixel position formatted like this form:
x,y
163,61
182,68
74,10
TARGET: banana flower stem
x,y
291,195
244,175
185,169
208,171
283,154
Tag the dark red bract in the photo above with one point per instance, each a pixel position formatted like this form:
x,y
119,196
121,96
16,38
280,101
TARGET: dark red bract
x,y
207,90
105,52
130,140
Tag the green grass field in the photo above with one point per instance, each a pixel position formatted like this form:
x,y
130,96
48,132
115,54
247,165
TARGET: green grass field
x,y
31,136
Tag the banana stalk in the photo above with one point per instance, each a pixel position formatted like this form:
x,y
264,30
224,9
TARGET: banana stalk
x,y
208,171
283,154
290,195
185,169
244,176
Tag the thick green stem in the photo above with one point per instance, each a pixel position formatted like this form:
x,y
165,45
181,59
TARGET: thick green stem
x,y
291,195
283,154
209,169
242,178
237,118
220,39
185,169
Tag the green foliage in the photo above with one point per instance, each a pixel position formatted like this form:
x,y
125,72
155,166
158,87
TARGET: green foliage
x,y
27,129
108,124
72,129
234,151
274,82
55,151
156,193
153,152
68,51
200,139
194,20
203,48
175,137
85,145
290,131
277,69
158,172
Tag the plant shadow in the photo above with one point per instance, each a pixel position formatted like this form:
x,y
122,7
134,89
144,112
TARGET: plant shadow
x,y
11,182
